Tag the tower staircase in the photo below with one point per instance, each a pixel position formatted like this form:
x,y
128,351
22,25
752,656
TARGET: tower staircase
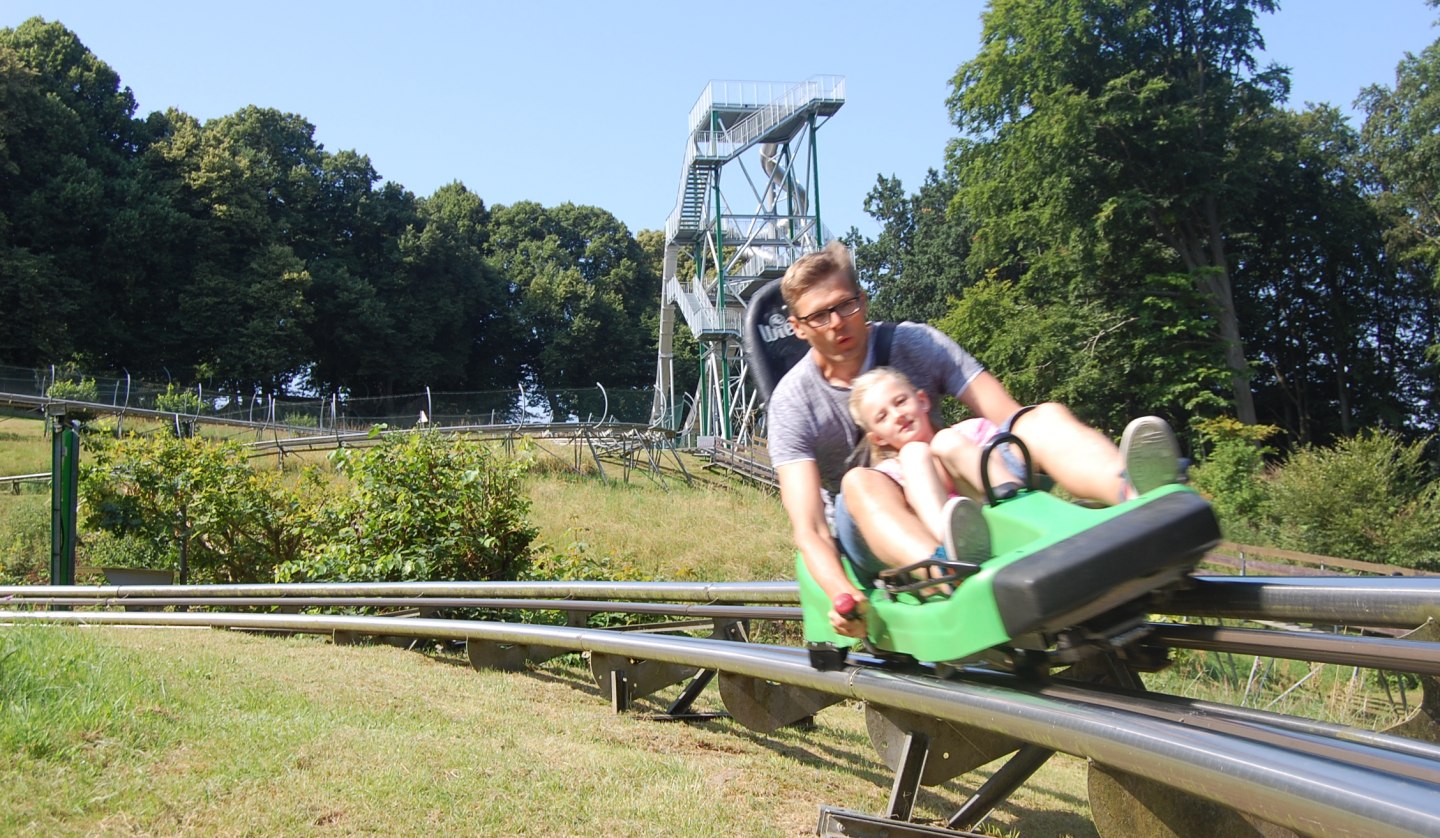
x,y
730,251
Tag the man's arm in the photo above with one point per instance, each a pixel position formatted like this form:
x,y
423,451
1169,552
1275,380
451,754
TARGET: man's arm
x,y
987,397
800,495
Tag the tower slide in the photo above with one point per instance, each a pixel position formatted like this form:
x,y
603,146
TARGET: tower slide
x,y
722,244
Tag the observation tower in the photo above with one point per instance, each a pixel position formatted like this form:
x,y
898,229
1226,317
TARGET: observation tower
x,y
721,244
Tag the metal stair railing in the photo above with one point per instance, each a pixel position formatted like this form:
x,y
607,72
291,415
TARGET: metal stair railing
x,y
699,312
721,146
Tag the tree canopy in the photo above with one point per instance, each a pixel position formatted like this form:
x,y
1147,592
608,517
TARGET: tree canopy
x,y
1131,221
241,252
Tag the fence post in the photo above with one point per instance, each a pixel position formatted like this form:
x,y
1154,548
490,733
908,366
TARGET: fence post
x,y
64,499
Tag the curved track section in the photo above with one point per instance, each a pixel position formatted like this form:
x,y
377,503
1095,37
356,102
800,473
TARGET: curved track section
x,y
1332,787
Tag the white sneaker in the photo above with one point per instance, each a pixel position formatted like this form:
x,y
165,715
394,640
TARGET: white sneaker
x,y
1151,454
967,536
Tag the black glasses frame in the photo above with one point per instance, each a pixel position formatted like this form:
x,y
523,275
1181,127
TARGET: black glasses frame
x,y
842,310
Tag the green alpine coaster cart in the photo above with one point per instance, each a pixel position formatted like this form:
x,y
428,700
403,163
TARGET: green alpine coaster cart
x,y
1064,581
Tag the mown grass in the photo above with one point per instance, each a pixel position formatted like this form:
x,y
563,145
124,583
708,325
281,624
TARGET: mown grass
x,y
155,732
210,732
710,533
23,446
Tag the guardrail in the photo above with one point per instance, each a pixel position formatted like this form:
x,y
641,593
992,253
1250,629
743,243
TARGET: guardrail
x,y
750,461
1243,557
14,480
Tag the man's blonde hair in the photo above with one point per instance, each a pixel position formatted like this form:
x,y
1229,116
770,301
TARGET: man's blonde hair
x,y
814,268
860,388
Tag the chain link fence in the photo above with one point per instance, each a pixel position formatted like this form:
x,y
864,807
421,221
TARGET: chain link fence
x,y
337,411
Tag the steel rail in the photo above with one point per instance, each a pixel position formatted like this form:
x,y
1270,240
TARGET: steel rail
x,y
1318,647
44,402
1389,601
1391,754
1420,760
776,593
1380,601
1396,655
1284,785
666,609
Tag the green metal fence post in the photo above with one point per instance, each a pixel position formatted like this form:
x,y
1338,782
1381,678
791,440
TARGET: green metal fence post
x,y
64,499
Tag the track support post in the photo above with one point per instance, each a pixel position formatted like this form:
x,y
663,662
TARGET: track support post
x,y
913,752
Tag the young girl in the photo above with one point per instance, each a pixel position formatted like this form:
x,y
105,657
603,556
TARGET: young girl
x,y
905,445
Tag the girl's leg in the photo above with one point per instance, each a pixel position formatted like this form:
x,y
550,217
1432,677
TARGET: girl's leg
x,y
924,490
956,522
957,449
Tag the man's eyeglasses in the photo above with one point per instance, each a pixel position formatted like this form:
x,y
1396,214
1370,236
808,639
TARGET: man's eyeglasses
x,y
827,317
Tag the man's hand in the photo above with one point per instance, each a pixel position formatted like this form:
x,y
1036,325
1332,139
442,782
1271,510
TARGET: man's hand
x,y
847,616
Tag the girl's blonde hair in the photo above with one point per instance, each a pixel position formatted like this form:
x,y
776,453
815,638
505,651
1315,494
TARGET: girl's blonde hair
x,y
860,388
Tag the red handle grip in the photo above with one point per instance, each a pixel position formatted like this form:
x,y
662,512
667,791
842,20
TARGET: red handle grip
x,y
845,606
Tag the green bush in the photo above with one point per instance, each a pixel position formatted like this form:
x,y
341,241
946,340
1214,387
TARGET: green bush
x,y
578,561
177,401
1232,474
295,419
239,523
80,390
422,506
1367,498
25,540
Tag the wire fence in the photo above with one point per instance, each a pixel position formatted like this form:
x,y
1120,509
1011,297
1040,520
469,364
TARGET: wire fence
x,y
337,411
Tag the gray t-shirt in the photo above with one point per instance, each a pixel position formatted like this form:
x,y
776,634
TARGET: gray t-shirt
x,y
809,419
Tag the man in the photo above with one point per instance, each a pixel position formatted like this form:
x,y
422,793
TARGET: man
x,y
811,434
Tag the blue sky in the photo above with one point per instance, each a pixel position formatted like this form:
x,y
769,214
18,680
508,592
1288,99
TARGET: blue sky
x,y
587,101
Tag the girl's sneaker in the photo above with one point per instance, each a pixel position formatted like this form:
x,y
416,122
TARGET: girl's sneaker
x,y
967,536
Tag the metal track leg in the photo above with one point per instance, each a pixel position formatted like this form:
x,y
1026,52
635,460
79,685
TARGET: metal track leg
x,y
1000,786
681,705
1127,804
907,776
1424,722
642,677
954,748
619,691
733,630
844,823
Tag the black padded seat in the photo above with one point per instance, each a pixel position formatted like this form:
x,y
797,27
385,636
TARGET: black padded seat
x,y
771,347
1107,565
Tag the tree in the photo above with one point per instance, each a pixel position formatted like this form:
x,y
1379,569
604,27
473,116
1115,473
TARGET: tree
x,y
586,292
1092,121
917,264
68,192
1402,141
1332,321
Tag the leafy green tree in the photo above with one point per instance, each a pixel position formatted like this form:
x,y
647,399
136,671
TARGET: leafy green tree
x,y
1403,145
917,264
1101,129
1332,322
586,289
1093,358
249,177
69,200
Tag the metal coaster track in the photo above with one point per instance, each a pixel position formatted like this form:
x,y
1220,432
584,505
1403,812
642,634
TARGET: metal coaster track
x,y
1304,778
1395,774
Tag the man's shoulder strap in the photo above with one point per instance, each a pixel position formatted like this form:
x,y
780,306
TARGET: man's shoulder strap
x,y
884,335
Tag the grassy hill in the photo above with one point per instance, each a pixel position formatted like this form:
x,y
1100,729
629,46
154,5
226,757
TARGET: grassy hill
x,y
214,732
